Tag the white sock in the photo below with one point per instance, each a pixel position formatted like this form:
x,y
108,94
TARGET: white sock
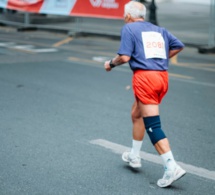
x,y
169,161
136,146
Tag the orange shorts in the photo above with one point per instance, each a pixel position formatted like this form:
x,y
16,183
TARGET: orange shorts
x,y
150,86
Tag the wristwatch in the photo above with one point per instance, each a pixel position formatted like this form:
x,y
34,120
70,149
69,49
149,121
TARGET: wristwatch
x,y
111,64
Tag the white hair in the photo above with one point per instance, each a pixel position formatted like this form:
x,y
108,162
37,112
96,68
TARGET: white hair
x,y
135,9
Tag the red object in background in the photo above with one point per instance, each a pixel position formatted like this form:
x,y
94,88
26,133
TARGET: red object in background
x,y
99,8
25,5
85,8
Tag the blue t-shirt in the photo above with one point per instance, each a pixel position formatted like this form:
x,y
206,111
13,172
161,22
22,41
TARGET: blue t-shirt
x,y
147,45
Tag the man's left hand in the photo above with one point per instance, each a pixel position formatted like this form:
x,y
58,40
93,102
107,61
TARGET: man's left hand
x,y
107,66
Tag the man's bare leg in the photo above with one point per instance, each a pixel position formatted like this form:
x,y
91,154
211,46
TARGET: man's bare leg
x,y
138,125
138,131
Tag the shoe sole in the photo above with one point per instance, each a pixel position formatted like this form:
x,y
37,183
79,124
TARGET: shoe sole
x,y
131,164
183,173
180,175
134,165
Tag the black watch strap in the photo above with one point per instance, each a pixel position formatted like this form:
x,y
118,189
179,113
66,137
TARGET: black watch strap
x,y
111,64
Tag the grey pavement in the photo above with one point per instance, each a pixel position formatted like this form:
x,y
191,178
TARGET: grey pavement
x,y
52,105
188,22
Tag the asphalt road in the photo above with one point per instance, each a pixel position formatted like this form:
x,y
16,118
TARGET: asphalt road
x,y
65,121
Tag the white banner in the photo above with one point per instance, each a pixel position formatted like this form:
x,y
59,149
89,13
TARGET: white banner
x,y
61,7
3,3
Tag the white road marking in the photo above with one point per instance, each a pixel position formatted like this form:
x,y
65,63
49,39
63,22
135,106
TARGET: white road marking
x,y
119,149
30,48
100,58
7,44
45,50
27,48
22,47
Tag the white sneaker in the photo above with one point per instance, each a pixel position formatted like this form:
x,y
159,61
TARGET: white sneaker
x,y
134,162
170,176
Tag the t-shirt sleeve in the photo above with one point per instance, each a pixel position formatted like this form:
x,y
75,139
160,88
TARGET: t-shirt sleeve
x,y
174,43
127,42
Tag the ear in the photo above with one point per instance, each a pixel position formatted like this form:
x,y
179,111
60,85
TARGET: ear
x,y
129,17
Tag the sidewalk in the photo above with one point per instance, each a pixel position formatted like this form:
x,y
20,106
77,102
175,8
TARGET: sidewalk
x,y
188,22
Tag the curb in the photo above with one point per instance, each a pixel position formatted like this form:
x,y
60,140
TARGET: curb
x,y
78,33
206,50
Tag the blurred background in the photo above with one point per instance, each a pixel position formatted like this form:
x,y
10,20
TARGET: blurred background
x,y
196,17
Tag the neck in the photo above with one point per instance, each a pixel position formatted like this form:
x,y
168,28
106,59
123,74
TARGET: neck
x,y
129,19
138,19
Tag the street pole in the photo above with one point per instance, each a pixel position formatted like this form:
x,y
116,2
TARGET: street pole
x,y
152,13
211,39
211,33
26,19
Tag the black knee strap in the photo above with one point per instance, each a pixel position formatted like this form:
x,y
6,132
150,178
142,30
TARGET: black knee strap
x,y
153,128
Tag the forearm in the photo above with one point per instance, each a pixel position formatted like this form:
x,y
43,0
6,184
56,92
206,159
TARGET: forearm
x,y
120,59
174,52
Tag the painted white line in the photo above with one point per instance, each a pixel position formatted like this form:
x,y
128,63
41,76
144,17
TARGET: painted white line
x,y
30,48
22,47
119,149
100,59
27,48
7,44
45,50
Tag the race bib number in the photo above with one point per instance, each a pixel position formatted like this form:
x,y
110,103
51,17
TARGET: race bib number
x,y
154,45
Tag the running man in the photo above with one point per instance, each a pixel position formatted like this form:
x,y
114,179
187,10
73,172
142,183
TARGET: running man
x,y
147,48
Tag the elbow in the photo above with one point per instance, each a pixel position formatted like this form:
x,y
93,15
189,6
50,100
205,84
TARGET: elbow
x,y
124,59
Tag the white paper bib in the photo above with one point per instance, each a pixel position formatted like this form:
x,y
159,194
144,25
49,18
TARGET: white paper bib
x,y
154,45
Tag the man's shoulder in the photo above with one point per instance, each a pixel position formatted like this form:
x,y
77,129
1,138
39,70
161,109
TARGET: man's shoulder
x,y
144,24
134,25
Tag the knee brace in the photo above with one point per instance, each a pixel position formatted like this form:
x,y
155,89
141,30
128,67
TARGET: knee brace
x,y
153,128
